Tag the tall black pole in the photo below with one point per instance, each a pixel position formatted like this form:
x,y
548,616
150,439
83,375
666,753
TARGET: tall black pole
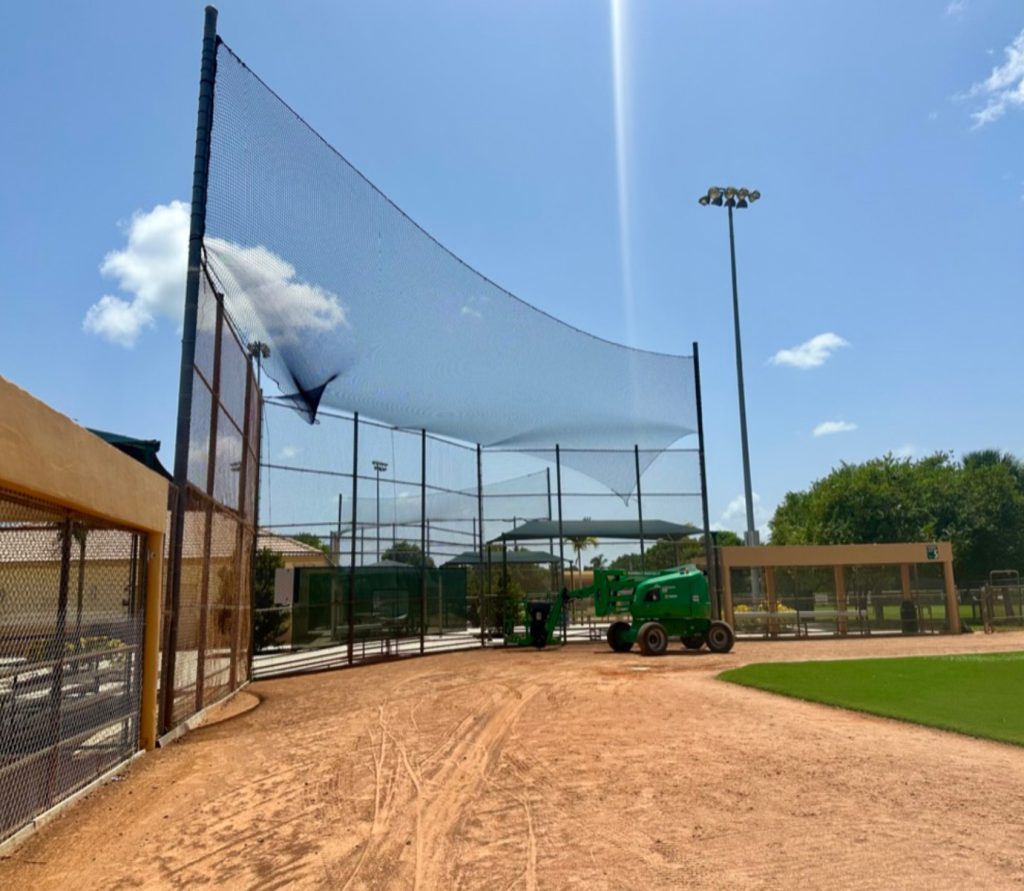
x,y
197,229
423,541
709,548
561,539
350,600
755,578
480,539
551,541
639,503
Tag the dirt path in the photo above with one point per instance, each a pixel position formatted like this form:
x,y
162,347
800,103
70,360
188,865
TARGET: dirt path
x,y
571,768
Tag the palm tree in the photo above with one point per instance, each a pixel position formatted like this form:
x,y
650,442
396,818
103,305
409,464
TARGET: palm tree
x,y
579,544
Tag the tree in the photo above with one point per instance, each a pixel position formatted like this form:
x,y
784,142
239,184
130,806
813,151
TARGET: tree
x,y
313,540
579,544
667,553
598,562
268,621
976,503
407,552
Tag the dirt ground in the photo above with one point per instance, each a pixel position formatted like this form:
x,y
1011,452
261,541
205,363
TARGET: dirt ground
x,y
567,768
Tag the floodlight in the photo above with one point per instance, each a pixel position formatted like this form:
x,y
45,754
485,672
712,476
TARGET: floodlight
x,y
703,201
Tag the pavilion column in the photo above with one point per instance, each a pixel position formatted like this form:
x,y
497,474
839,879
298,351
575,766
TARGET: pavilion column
x,y
842,626
773,603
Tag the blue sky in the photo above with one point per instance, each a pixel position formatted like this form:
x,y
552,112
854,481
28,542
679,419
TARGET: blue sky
x,y
886,139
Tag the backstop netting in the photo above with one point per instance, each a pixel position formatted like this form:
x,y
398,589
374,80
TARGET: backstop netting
x,y
422,410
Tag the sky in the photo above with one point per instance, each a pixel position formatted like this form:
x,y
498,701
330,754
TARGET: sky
x,y
560,148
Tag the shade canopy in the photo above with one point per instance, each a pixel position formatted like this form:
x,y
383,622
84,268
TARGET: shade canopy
x,y
472,558
535,530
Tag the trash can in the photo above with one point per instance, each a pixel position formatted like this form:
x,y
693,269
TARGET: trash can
x,y
908,617
538,612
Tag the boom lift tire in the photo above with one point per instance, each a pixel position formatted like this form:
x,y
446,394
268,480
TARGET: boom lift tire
x,y
653,639
720,637
693,641
615,637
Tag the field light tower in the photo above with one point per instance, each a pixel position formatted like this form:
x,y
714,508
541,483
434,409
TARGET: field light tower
x,y
739,198
379,467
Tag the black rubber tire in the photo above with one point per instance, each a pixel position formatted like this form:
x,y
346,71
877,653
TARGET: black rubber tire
x,y
720,637
615,639
653,639
693,641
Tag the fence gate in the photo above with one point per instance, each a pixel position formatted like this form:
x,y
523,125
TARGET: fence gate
x,y
72,594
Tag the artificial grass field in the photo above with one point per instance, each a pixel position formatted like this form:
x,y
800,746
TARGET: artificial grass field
x,y
978,695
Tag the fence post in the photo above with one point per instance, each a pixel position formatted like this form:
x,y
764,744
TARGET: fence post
x,y
151,640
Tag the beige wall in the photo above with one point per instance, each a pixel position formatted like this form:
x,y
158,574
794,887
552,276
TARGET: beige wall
x,y
48,456
739,556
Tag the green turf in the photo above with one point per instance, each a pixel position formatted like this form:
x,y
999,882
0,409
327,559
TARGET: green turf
x,y
978,695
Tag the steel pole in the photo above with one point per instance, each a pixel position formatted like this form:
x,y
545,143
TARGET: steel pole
x,y
378,515
639,505
351,598
561,538
709,548
755,578
197,229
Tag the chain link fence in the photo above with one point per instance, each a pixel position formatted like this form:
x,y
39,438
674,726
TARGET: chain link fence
x,y
71,616
208,615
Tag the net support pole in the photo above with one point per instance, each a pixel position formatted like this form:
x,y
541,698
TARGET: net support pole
x,y
639,503
561,537
480,527
338,532
551,541
350,599
197,229
423,541
709,550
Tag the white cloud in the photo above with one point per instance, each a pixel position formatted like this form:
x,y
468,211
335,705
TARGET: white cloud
x,y
827,428
907,450
956,8
734,516
811,353
1003,88
289,452
262,287
151,269
933,116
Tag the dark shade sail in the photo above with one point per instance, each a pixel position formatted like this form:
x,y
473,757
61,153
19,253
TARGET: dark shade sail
x,y
536,530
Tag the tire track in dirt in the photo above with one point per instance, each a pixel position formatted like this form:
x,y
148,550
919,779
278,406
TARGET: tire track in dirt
x,y
423,799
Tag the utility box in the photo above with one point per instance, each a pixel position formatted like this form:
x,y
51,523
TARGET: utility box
x,y
284,587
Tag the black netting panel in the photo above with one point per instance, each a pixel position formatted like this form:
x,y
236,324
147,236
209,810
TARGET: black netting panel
x,y
366,312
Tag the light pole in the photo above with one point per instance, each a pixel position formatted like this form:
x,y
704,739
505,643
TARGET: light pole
x,y
379,467
739,198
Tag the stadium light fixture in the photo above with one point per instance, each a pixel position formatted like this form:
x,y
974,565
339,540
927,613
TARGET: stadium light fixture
x,y
739,198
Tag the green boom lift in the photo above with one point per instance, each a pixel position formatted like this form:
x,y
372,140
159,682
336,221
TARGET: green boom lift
x,y
660,605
